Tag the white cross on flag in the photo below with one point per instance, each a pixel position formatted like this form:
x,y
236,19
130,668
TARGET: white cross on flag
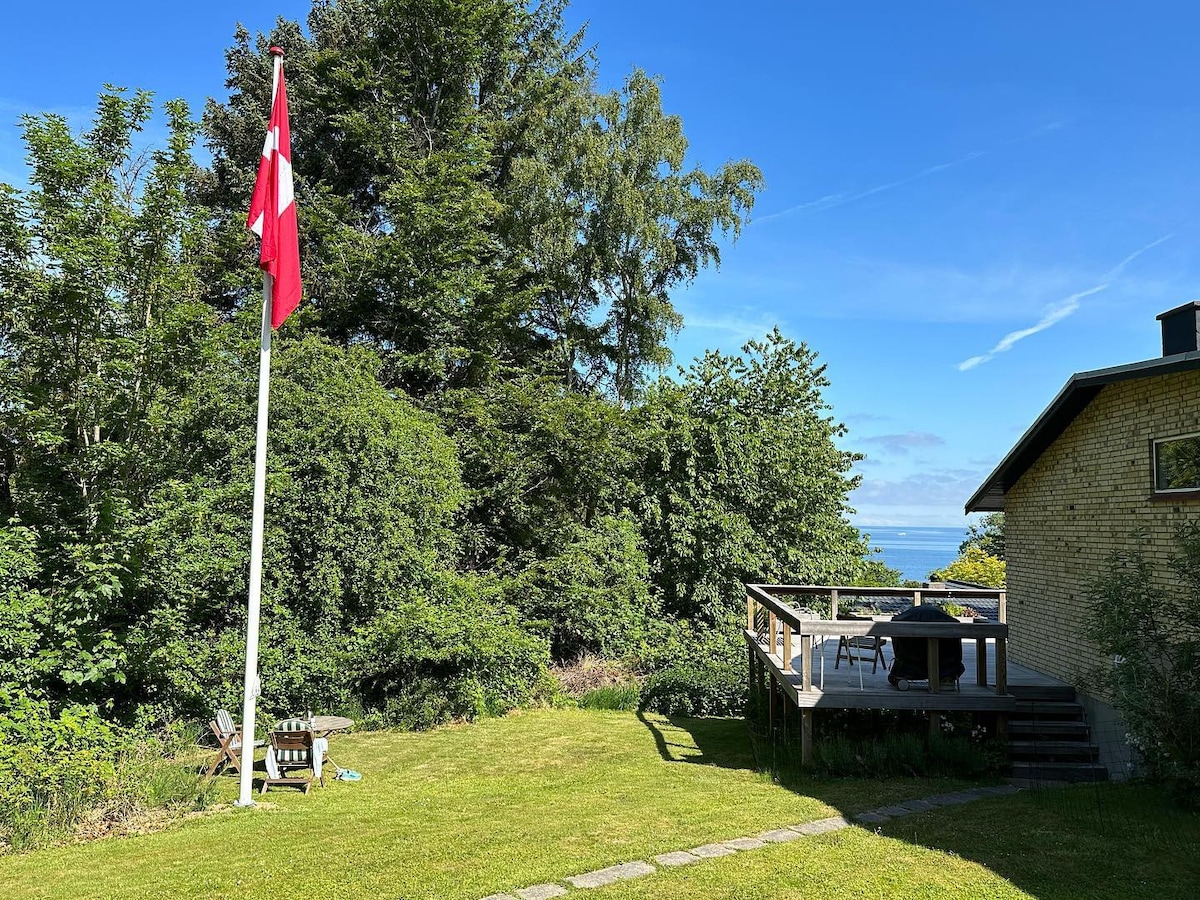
x,y
273,210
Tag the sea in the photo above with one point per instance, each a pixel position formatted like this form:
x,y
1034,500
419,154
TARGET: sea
x,y
915,551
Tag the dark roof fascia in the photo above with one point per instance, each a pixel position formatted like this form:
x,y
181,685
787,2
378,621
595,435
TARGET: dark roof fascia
x,y
1074,397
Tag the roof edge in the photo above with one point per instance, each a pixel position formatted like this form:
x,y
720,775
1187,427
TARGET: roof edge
x,y
1070,401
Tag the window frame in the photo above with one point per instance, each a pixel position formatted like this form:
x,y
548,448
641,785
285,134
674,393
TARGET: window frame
x,y
1175,491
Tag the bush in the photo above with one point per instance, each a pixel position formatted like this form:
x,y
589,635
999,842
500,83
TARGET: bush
x,y
1148,625
696,689
55,770
976,566
427,662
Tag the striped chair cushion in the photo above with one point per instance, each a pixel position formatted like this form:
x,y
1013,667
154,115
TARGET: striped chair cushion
x,y
225,721
293,757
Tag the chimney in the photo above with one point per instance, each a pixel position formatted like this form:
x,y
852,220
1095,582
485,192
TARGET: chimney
x,y
1181,329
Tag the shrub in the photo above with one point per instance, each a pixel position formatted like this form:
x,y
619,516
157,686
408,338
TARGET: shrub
x,y
1148,625
974,565
426,662
696,689
55,770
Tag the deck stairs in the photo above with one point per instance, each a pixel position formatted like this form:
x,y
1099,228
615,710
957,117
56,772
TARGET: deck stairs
x,y
1049,739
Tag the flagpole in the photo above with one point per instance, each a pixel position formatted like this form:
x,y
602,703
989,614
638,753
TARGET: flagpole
x,y
251,687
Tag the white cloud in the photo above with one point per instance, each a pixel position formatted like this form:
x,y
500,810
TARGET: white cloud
x,y
1059,311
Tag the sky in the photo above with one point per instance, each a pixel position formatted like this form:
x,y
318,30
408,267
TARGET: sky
x,y
965,203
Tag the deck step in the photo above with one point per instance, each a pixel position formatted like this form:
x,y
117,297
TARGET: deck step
x,y
1065,750
1050,710
1022,728
1048,770
1061,693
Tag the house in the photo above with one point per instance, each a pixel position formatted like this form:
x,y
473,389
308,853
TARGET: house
x,y
1117,450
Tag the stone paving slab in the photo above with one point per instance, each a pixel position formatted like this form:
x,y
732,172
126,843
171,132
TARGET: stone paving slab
x,y
871,818
601,877
952,799
542,892
676,858
637,869
708,851
746,843
820,826
779,836
1001,790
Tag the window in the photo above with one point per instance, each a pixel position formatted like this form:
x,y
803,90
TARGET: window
x,y
1177,464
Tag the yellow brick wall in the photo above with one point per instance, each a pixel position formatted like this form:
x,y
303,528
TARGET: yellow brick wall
x,y
1079,502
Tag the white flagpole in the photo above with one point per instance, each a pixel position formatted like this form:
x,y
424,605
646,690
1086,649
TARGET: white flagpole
x,y
246,796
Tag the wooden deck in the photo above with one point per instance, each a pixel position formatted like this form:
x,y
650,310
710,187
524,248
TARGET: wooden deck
x,y
837,685
793,633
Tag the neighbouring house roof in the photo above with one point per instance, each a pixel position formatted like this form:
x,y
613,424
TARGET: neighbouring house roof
x,y
1076,394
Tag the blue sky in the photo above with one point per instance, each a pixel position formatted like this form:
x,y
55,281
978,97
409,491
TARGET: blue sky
x,y
965,203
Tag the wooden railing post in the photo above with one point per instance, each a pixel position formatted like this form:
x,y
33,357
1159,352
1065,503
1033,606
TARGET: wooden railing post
x,y
934,664
916,598
771,620
981,662
1003,607
833,604
787,647
1002,665
806,648
751,605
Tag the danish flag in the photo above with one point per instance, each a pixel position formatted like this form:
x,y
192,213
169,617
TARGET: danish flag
x,y
273,209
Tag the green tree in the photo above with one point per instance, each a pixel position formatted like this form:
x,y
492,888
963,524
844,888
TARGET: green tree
x,y
973,565
740,480
987,534
614,223
100,326
362,493
407,116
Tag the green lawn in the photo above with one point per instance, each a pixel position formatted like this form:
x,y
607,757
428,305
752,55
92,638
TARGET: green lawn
x,y
464,812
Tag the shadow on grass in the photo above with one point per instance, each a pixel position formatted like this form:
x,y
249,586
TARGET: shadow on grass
x,y
1101,841
707,742
1096,841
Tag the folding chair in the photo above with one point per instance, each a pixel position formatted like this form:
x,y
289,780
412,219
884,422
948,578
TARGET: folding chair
x,y
294,747
229,739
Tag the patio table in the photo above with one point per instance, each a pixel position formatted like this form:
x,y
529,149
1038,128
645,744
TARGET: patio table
x,y
323,726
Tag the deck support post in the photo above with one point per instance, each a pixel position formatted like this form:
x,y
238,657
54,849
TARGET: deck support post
x,y
806,736
1001,665
934,664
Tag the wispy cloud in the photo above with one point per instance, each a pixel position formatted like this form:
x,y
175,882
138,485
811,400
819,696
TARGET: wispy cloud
x,y
1058,311
939,487
902,443
831,201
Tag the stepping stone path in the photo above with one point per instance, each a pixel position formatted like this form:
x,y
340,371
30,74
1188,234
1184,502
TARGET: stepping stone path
x,y
638,868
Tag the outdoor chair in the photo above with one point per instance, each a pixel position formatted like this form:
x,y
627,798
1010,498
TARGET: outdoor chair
x,y
229,740
293,747
860,647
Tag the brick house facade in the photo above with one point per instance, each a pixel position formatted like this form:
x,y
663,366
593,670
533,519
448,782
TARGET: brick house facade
x,y
1081,481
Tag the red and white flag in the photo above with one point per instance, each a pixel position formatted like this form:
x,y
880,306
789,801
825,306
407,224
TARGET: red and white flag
x,y
273,211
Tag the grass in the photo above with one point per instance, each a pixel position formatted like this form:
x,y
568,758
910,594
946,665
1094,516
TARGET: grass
x,y
464,812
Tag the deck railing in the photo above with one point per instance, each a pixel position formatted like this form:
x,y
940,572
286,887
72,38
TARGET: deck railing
x,y
770,616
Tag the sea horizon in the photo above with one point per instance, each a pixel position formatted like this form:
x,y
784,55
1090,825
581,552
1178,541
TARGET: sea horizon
x,y
915,550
